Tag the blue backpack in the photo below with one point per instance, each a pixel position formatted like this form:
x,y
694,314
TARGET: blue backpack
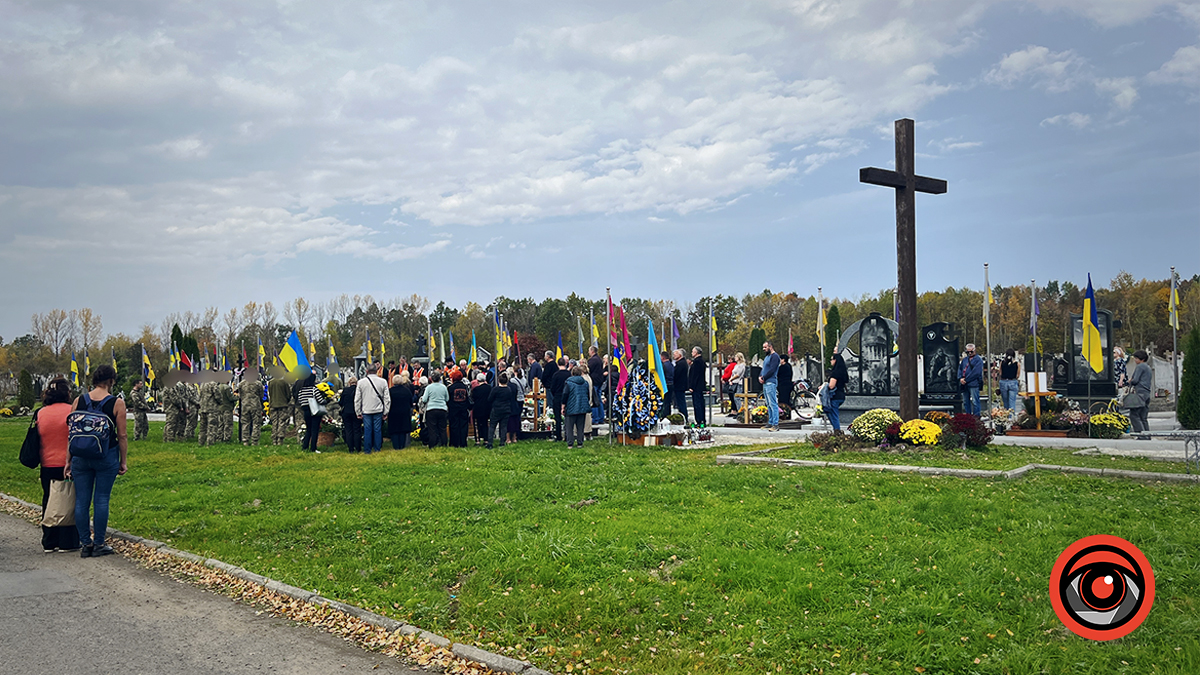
x,y
89,430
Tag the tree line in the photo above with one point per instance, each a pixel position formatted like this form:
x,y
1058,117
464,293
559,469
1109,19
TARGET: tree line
x,y
403,323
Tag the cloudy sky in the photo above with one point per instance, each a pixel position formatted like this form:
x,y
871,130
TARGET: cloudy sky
x,y
161,157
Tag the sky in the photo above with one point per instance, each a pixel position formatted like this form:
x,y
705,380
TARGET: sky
x,y
161,157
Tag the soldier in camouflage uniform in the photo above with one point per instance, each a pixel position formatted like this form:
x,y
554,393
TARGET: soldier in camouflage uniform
x,y
279,395
192,416
140,404
207,422
226,402
250,393
173,402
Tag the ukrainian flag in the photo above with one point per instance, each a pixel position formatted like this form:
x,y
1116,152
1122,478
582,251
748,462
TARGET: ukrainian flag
x,y
75,370
558,350
331,362
292,356
712,347
655,361
1091,330
453,354
474,354
262,353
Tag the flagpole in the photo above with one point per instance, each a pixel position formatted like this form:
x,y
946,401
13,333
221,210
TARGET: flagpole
x,y
821,334
1037,365
987,326
1173,311
608,371
712,354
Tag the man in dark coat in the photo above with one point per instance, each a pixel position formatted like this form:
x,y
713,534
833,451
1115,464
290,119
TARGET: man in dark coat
x,y
669,383
680,383
534,371
785,381
697,374
561,374
458,410
595,366
481,407
352,430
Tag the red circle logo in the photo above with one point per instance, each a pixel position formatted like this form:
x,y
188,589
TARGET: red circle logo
x,y
1102,587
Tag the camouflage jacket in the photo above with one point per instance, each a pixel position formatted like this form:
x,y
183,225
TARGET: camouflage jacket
x,y
138,401
250,393
226,400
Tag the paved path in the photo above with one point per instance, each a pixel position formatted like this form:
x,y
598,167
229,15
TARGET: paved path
x,y
63,614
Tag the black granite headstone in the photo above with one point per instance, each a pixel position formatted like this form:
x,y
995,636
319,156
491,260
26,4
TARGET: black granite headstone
x,y
940,347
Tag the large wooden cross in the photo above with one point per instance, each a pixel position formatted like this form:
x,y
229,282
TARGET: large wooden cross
x,y
907,185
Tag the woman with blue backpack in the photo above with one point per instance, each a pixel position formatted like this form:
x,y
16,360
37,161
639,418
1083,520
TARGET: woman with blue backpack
x,y
98,446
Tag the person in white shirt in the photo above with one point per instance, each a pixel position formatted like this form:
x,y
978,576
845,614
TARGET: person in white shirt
x,y
371,403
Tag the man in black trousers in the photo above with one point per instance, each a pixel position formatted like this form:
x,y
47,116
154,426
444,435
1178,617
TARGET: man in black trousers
x,y
680,383
697,376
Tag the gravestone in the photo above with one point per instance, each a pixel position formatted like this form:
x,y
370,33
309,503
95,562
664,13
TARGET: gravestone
x,y
1102,386
941,352
871,354
360,364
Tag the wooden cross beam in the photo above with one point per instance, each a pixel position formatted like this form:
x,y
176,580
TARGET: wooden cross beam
x,y
907,184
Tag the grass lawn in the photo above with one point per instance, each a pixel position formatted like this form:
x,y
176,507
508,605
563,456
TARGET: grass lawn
x,y
995,458
680,565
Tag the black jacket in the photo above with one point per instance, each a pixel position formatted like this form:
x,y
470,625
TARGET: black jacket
x,y
346,400
399,419
503,400
697,372
556,383
548,371
681,376
459,405
784,378
535,371
595,366
481,403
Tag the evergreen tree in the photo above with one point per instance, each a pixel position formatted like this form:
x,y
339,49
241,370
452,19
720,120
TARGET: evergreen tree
x,y
757,337
1189,385
25,389
833,329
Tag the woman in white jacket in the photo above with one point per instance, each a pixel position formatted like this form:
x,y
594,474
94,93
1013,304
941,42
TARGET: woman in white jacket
x,y
737,381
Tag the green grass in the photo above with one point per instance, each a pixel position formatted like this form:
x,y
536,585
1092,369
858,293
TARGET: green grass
x,y
994,458
681,565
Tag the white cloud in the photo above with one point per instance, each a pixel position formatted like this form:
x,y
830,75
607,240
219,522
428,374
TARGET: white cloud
x,y
1075,120
1052,71
183,148
1122,90
1183,68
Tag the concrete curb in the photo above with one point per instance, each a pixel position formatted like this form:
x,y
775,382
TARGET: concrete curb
x,y
496,662
1012,474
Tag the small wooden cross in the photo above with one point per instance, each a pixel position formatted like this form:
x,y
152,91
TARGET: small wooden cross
x,y
539,407
907,184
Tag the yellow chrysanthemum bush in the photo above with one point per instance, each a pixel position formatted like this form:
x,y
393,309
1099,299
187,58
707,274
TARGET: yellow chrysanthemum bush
x,y
872,425
920,432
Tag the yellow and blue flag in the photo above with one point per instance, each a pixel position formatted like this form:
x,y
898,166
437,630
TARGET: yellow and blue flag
x,y
74,370
87,362
262,353
112,352
654,358
331,362
293,358
453,354
474,354
558,349
712,321
1091,330
1173,302
147,369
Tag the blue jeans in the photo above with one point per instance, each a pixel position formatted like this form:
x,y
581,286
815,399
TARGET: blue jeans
x,y
771,392
94,480
971,400
1008,393
372,432
834,413
597,410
